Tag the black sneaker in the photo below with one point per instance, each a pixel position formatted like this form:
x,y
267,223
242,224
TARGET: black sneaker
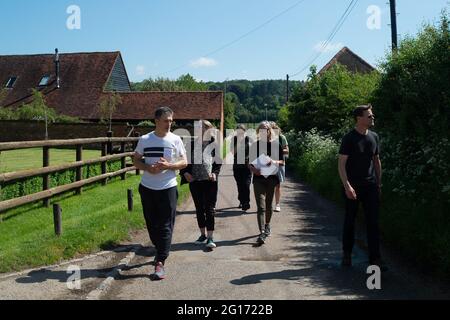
x,y
267,230
261,239
201,239
245,207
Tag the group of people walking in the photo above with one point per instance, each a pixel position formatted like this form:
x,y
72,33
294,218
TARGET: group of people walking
x,y
160,154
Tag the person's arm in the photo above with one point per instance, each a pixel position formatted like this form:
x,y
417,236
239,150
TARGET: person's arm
x,y
137,162
349,191
163,164
378,170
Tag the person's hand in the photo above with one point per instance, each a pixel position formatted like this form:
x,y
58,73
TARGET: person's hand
x,y
189,177
350,192
163,164
379,189
212,177
256,172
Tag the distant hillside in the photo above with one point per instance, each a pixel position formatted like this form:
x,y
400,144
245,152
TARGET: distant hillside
x,y
247,100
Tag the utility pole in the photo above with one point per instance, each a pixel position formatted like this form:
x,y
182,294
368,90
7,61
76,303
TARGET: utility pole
x,y
287,88
393,25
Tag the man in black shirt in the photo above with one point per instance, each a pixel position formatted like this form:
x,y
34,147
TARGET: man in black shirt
x,y
360,173
240,148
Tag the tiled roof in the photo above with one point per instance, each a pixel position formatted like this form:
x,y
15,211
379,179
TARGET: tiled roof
x,y
83,77
186,105
350,60
83,80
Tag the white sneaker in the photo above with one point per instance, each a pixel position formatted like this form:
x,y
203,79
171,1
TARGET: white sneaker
x,y
277,208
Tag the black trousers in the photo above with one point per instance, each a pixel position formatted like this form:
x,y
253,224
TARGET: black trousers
x,y
370,198
204,194
160,207
243,177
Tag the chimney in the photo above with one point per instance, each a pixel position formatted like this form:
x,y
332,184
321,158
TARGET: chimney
x,y
58,84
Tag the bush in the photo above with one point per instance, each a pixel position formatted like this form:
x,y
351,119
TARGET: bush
x,y
313,156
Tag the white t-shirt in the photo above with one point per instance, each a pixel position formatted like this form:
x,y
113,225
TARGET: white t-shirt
x,y
153,148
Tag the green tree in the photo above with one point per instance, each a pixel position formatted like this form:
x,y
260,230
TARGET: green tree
x,y
107,107
326,100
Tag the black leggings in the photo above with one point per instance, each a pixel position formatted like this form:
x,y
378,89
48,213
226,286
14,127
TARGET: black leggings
x,y
204,194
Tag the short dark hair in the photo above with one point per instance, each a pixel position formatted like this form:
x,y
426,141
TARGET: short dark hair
x,y
359,110
161,111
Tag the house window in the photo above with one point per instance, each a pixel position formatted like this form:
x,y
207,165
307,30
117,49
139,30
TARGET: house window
x,y
44,81
10,82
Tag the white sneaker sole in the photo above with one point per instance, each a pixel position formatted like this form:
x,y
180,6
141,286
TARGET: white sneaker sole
x,y
211,245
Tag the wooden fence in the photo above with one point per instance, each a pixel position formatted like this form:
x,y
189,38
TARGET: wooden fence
x,y
46,194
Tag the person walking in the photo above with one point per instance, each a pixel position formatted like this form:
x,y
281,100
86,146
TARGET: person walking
x,y
282,172
242,175
202,178
159,154
360,172
266,156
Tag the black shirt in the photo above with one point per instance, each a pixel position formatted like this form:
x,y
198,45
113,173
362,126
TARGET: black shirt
x,y
273,149
244,147
360,150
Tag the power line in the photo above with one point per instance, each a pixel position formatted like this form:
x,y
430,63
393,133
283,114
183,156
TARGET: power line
x,y
240,37
330,37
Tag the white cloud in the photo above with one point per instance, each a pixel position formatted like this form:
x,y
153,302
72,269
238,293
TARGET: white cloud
x,y
140,70
320,47
203,62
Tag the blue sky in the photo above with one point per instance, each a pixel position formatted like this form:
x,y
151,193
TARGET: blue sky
x,y
173,37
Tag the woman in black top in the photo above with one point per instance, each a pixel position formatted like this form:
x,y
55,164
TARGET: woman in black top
x,y
201,174
266,156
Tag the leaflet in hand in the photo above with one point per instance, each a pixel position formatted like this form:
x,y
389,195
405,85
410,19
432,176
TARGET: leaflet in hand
x,y
261,164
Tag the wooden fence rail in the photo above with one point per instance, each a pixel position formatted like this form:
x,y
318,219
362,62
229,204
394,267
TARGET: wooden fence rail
x,y
46,194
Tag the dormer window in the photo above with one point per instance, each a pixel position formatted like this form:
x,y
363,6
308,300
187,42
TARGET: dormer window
x,y
44,81
10,82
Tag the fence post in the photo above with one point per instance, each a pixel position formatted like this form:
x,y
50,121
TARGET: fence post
x,y
57,219
109,134
138,172
130,199
79,172
104,151
45,178
123,176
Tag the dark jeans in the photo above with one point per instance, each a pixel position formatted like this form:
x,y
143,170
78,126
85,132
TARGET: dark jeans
x,y
204,194
370,198
243,177
264,189
160,207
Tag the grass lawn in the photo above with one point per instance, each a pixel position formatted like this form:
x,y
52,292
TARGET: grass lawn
x,y
16,160
92,221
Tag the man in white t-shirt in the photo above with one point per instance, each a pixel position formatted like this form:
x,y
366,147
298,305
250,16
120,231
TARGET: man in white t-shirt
x,y
163,153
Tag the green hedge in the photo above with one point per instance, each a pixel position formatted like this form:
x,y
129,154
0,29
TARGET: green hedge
x,y
33,185
416,223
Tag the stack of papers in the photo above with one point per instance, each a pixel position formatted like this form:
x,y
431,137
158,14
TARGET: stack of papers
x,y
261,164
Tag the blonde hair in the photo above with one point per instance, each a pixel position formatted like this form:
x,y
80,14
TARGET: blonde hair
x,y
207,124
269,127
